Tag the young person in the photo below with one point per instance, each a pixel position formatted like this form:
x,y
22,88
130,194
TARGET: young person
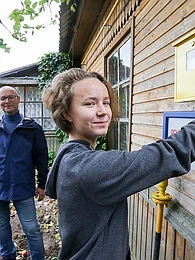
x,y
92,186
22,148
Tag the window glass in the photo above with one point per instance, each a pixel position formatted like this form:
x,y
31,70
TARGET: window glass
x,y
124,100
46,112
113,69
48,124
32,106
38,120
21,92
124,64
33,110
21,108
124,136
113,137
119,77
32,94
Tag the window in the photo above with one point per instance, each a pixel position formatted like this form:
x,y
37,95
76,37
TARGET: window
x,y
119,76
32,106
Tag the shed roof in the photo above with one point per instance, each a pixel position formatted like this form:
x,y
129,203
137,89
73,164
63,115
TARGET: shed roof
x,y
20,76
27,70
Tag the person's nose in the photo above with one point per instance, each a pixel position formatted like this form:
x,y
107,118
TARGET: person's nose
x,y
6,100
101,110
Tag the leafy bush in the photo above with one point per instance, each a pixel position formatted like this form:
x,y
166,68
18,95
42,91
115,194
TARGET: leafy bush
x,y
50,65
51,157
63,138
101,143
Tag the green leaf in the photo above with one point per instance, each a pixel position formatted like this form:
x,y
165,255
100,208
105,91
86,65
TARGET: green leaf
x,y
34,5
3,46
72,8
42,2
31,10
26,26
38,27
23,39
27,2
16,27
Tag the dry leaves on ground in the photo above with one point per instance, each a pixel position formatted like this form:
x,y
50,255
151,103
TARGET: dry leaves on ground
x,y
47,217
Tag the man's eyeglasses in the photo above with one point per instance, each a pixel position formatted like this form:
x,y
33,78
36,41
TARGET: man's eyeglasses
x,y
10,97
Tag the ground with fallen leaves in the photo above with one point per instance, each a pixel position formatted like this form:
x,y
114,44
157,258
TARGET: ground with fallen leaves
x,y
47,217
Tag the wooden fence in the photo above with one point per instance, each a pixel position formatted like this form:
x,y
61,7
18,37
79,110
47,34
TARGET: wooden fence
x,y
52,141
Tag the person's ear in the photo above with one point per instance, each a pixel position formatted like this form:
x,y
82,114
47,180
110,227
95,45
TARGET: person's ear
x,y
68,118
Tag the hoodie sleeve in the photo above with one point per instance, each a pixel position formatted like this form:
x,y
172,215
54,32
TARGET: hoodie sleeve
x,y
40,156
109,177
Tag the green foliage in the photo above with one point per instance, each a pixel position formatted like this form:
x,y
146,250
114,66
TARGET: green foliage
x,y
50,65
51,157
28,11
63,138
3,46
101,143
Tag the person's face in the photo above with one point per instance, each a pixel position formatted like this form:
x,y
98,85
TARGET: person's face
x,y
9,100
90,112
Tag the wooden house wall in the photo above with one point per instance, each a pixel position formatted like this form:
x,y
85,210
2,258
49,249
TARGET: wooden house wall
x,y
142,225
154,26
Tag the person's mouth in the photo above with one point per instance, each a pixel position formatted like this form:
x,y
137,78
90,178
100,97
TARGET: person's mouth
x,y
101,123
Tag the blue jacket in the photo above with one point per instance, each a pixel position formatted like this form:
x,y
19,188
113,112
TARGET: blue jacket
x,y
20,153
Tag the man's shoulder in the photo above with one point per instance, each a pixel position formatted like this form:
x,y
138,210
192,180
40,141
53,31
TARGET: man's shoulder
x,y
25,118
30,122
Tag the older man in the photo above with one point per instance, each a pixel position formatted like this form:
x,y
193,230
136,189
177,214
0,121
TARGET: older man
x,y
23,148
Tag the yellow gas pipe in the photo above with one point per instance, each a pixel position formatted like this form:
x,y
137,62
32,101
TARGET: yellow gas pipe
x,y
161,198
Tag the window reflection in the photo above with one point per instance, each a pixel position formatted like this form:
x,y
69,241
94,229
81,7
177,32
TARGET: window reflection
x,y
124,64
124,100
124,136
113,69
31,106
119,76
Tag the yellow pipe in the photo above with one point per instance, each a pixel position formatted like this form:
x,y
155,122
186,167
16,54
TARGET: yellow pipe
x,y
161,198
159,218
102,28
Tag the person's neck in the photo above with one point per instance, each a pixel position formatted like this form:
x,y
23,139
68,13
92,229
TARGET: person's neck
x,y
74,138
12,117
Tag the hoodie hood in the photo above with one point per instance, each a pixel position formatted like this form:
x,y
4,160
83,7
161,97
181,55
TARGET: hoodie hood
x,y
50,188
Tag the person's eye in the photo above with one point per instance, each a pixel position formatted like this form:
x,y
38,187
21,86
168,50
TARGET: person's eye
x,y
90,103
106,103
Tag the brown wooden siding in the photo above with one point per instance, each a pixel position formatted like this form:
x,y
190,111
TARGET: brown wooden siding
x,y
157,24
142,228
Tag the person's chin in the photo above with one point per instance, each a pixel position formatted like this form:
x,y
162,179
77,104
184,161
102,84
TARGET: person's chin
x,y
103,132
9,112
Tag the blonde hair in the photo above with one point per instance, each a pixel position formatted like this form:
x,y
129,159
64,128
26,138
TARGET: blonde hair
x,y
57,96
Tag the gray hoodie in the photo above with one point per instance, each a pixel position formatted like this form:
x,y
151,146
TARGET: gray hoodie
x,y
92,188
